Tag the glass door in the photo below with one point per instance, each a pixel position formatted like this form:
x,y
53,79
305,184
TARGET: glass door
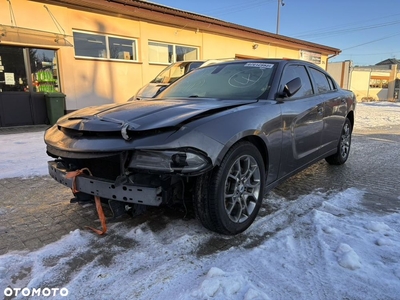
x,y
44,70
12,70
15,104
26,74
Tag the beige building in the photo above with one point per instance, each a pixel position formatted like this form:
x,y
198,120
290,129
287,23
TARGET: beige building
x,y
99,52
380,82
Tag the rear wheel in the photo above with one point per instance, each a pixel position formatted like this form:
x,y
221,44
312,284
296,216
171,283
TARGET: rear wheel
x,y
229,198
343,149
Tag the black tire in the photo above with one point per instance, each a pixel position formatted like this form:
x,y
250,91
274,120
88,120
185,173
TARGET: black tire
x,y
343,148
228,198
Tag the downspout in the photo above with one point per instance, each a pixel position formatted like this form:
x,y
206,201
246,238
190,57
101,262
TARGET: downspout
x,y
329,57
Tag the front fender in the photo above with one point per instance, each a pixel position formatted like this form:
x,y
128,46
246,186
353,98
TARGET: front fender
x,y
262,121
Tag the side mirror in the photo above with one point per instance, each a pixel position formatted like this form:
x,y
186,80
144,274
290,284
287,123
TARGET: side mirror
x,y
292,87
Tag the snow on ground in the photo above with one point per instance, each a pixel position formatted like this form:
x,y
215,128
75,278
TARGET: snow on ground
x,y
23,155
377,114
320,246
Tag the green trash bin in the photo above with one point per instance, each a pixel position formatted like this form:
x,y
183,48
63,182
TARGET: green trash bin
x,y
55,103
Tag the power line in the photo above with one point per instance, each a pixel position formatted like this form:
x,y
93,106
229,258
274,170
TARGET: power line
x,y
349,30
373,41
370,54
343,26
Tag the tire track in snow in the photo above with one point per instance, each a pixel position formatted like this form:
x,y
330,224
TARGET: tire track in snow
x,y
282,223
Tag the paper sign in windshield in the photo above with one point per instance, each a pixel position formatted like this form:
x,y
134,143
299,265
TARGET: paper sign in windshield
x,y
259,65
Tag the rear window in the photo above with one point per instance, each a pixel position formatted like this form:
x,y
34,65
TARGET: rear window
x,y
245,80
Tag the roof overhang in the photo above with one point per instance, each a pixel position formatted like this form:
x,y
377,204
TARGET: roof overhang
x,y
21,35
159,14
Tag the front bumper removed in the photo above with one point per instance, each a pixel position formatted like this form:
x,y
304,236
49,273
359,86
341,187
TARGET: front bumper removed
x,y
125,192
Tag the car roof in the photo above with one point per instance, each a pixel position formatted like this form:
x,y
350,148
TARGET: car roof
x,y
204,61
280,61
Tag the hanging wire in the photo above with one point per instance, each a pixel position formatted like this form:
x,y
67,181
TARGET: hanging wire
x,y
54,20
12,16
373,41
346,26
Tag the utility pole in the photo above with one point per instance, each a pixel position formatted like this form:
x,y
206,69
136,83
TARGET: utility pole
x,y
278,19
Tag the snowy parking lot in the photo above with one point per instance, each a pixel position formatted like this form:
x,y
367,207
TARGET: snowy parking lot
x,y
328,233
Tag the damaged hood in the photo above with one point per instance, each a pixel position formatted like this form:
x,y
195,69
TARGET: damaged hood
x,y
145,115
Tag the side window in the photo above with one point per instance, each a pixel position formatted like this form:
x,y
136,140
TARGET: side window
x,y
293,71
332,84
320,80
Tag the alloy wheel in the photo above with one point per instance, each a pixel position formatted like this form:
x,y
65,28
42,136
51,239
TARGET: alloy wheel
x,y
242,189
345,141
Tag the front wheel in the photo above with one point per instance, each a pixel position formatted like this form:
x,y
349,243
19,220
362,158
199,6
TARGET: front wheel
x,y
343,148
229,198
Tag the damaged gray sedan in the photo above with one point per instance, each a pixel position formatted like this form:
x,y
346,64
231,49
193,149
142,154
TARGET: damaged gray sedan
x,y
219,138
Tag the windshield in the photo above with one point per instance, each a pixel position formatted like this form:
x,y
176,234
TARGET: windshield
x,y
244,80
175,71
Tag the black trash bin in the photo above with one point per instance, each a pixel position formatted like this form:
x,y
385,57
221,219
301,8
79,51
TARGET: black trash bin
x,y
55,103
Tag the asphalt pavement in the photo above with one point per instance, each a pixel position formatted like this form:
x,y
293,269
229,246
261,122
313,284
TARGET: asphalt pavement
x,y
37,211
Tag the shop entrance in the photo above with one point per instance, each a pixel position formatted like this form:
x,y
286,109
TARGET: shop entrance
x,y
26,74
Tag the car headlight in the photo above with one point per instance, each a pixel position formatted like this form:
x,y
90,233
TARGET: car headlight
x,y
170,161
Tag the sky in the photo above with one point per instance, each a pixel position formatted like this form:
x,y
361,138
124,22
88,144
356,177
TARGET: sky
x,y
366,31
318,246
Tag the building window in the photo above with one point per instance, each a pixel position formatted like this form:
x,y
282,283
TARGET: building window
x,y
38,72
170,53
378,83
122,48
13,76
44,68
104,47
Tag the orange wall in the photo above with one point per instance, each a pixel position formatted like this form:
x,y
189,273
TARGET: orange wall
x,y
90,82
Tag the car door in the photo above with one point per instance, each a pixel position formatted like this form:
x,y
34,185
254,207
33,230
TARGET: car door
x,y
302,121
335,108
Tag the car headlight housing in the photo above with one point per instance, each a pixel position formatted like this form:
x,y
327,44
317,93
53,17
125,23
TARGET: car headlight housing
x,y
171,161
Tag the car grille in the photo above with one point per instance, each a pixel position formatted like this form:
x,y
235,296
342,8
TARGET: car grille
x,y
108,167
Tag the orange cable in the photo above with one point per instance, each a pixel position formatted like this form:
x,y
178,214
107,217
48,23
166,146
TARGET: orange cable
x,y
99,208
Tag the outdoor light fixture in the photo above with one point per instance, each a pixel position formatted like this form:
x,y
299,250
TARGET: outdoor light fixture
x,y
255,46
